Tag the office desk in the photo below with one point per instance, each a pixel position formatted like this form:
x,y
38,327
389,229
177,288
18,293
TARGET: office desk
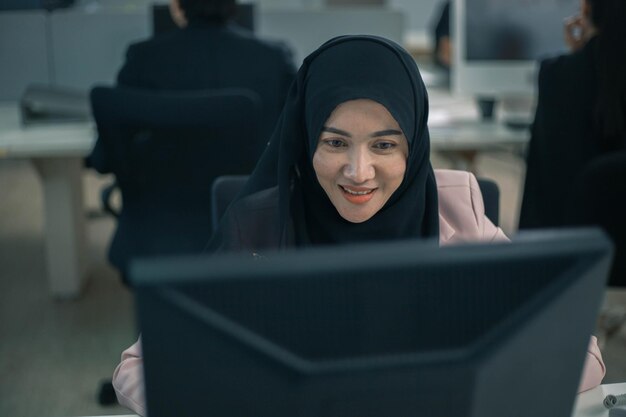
x,y
455,125
475,135
589,403
57,152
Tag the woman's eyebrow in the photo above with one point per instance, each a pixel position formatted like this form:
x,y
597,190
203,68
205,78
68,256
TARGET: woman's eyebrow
x,y
387,132
335,130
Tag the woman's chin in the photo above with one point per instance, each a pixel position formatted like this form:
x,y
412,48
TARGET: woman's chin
x,y
355,217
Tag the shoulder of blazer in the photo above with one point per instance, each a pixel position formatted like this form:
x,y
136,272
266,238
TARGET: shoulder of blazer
x,y
569,69
452,178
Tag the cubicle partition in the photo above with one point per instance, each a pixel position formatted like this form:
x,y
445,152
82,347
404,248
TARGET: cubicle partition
x,y
88,47
23,51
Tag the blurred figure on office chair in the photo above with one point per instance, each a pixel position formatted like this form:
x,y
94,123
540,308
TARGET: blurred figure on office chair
x,y
581,110
209,51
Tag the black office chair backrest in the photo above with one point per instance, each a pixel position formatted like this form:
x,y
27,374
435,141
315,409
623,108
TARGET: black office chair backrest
x,y
223,192
491,199
165,149
599,198
226,188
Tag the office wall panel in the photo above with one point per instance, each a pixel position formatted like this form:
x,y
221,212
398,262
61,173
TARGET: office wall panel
x,y
88,46
23,56
421,14
305,30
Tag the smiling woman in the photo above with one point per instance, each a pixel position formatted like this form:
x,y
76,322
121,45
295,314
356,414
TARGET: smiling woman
x,y
360,158
349,162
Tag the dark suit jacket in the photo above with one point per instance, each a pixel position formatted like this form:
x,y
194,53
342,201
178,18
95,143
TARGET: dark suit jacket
x,y
206,56
563,138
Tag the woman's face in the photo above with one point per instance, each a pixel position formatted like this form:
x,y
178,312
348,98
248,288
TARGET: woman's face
x,y
360,158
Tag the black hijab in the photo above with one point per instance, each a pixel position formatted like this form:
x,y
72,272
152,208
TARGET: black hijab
x,y
348,68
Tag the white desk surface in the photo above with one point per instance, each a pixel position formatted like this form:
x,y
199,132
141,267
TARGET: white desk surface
x,y
589,403
454,124
67,139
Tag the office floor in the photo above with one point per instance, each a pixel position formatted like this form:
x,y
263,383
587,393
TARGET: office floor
x,y
53,354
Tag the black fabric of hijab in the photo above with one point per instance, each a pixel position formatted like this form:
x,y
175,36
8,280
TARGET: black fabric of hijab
x,y
348,68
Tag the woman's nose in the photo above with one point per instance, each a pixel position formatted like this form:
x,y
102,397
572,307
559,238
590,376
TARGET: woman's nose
x,y
360,167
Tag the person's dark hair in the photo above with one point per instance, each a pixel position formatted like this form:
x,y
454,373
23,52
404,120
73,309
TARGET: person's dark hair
x,y
215,11
609,17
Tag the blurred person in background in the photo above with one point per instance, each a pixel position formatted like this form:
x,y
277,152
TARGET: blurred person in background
x,y
210,51
581,110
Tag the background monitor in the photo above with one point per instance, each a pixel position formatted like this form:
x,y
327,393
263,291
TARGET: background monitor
x,y
395,329
34,4
162,21
497,44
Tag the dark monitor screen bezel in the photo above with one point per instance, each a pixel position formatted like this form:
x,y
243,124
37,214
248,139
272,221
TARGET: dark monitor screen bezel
x,y
156,283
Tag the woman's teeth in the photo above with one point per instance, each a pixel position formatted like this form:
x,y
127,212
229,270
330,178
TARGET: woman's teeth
x,y
356,192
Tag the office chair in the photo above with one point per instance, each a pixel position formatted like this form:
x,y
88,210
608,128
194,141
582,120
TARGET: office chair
x,y
165,149
223,192
599,198
226,188
491,199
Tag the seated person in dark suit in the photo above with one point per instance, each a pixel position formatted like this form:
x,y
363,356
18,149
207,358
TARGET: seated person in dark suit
x,y
209,52
581,110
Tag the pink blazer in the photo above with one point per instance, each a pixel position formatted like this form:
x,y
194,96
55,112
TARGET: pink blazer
x,y
461,219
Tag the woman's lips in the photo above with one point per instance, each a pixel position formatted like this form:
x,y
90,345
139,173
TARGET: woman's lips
x,y
357,195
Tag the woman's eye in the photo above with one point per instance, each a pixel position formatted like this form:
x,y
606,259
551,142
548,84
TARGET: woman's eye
x,y
334,143
385,146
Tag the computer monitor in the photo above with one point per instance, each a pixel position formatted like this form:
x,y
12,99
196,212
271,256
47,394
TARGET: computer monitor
x,y
389,329
162,21
497,44
34,4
